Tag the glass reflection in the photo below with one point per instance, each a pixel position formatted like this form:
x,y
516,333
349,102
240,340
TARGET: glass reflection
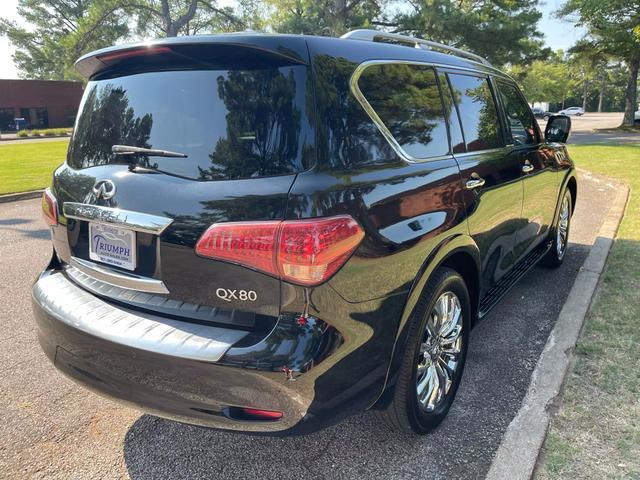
x,y
478,113
407,99
231,124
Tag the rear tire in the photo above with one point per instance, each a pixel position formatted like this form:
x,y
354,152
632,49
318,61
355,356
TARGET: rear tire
x,y
560,234
434,356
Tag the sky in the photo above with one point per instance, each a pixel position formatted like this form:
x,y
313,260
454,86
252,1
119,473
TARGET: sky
x,y
558,33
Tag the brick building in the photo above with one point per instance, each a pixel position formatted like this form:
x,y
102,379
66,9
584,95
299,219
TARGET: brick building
x,y
42,103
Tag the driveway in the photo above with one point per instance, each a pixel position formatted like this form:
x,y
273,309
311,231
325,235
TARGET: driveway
x,y
52,428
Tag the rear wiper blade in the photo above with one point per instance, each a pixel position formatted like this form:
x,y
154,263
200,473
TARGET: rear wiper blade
x,y
131,150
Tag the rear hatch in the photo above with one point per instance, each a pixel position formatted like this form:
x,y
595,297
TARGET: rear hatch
x,y
236,112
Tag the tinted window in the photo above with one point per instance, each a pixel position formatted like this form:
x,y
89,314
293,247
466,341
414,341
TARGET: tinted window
x,y
478,113
407,100
520,121
232,124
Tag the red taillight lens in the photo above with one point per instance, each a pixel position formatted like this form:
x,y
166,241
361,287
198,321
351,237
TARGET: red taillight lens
x,y
311,251
247,243
307,252
49,208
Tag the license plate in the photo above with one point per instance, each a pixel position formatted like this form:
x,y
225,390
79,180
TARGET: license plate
x,y
112,245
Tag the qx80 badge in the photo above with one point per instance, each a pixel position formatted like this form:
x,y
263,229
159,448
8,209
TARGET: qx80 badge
x,y
229,295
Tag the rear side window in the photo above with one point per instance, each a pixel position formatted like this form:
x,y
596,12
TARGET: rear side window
x,y
231,124
478,114
407,99
520,122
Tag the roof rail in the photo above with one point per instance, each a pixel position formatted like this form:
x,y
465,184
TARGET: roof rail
x,y
406,40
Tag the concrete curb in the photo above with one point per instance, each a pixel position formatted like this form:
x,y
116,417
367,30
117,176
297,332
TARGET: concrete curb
x,y
518,453
14,197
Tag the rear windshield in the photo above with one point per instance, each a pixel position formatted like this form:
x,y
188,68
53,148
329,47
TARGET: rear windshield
x,y
231,124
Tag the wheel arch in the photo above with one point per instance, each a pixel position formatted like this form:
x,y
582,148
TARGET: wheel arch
x,y
459,253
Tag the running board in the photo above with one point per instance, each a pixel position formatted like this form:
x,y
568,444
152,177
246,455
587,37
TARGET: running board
x,y
500,289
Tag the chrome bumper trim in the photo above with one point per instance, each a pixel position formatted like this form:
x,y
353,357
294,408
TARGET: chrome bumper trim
x,y
118,279
61,299
138,221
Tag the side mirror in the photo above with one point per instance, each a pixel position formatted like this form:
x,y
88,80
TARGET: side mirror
x,y
557,129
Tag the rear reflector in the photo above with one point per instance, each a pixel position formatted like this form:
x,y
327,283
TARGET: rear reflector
x,y
49,208
256,414
133,52
307,252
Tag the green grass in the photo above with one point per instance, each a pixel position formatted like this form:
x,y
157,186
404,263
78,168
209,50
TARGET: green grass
x,y
28,166
596,433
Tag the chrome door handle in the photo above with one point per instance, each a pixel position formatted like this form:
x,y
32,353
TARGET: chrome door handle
x,y
527,167
474,182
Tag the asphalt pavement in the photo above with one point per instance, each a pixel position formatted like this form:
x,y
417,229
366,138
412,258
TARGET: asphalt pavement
x,y
52,428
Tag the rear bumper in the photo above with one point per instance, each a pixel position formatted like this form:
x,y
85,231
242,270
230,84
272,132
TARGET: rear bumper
x,y
194,373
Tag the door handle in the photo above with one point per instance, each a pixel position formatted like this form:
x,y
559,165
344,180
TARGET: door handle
x,y
474,182
527,167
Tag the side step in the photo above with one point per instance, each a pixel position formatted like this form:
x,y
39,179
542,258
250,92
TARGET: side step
x,y
500,289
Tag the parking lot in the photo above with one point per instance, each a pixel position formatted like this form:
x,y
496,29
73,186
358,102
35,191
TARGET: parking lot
x,y
52,428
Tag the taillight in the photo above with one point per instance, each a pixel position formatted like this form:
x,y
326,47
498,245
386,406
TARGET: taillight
x,y
306,252
49,208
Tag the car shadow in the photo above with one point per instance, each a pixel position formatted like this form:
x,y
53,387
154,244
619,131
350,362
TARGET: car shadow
x,y
15,223
158,448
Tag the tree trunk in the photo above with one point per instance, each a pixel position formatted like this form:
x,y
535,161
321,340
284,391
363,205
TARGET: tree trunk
x,y
585,94
631,100
603,86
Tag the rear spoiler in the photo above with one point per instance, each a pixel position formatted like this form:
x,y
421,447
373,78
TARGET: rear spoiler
x,y
202,49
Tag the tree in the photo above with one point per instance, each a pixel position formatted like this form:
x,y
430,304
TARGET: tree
x,y
614,26
590,63
504,32
324,17
44,50
170,18
546,81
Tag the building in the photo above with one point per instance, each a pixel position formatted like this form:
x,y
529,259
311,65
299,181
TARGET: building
x,y
42,103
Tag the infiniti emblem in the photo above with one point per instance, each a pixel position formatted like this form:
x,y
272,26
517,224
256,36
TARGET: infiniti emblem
x,y
104,189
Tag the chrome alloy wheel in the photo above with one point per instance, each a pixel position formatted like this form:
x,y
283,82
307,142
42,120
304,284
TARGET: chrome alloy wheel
x,y
440,351
563,227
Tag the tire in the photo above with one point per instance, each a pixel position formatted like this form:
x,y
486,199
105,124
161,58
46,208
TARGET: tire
x,y
406,412
560,234
546,118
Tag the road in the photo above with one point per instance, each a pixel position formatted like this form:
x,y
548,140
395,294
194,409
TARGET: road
x,y
53,429
583,129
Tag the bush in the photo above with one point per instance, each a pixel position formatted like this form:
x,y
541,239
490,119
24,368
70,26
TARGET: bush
x,y
48,132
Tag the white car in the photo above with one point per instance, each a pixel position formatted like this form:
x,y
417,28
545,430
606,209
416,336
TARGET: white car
x,y
572,111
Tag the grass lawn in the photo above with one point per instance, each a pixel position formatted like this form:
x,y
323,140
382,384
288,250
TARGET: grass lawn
x,y
28,166
596,433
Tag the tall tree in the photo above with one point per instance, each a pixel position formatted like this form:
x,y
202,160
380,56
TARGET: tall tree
x,y
170,18
504,32
43,50
614,25
324,17
589,62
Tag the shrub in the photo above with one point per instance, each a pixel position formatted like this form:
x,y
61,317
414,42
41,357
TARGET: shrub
x,y
22,134
36,133
50,132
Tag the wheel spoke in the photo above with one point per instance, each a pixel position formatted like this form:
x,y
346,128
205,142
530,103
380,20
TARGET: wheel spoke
x,y
439,351
433,390
444,378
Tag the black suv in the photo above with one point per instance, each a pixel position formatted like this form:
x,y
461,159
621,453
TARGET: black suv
x,y
270,232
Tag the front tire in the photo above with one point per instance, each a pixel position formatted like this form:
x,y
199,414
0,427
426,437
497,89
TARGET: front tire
x,y
435,355
560,234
